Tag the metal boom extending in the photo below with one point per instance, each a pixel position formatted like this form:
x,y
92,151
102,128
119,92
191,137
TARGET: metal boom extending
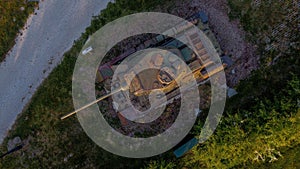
x,y
90,104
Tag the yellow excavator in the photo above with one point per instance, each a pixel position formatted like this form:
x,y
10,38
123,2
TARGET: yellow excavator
x,y
200,73
168,86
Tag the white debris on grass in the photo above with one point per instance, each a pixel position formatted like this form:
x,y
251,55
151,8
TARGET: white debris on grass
x,y
87,50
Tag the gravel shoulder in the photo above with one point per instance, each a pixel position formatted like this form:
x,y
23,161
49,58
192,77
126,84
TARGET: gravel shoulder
x,y
47,35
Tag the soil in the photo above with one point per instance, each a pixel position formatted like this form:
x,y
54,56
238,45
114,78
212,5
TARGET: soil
x,y
229,34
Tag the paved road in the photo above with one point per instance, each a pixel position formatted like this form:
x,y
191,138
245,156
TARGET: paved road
x,y
49,34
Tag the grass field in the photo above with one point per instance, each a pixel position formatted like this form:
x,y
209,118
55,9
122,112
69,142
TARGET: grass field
x,y
14,14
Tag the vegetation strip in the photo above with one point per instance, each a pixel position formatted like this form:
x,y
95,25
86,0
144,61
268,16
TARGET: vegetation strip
x,y
14,14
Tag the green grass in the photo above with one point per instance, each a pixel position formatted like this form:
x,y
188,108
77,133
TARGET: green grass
x,y
12,19
290,160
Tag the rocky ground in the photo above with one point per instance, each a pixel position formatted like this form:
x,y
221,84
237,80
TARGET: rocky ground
x,y
229,34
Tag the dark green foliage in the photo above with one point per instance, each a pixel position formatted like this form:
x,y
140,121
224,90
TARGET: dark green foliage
x,y
256,126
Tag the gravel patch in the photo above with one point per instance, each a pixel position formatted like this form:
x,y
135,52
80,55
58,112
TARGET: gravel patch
x,y
229,34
